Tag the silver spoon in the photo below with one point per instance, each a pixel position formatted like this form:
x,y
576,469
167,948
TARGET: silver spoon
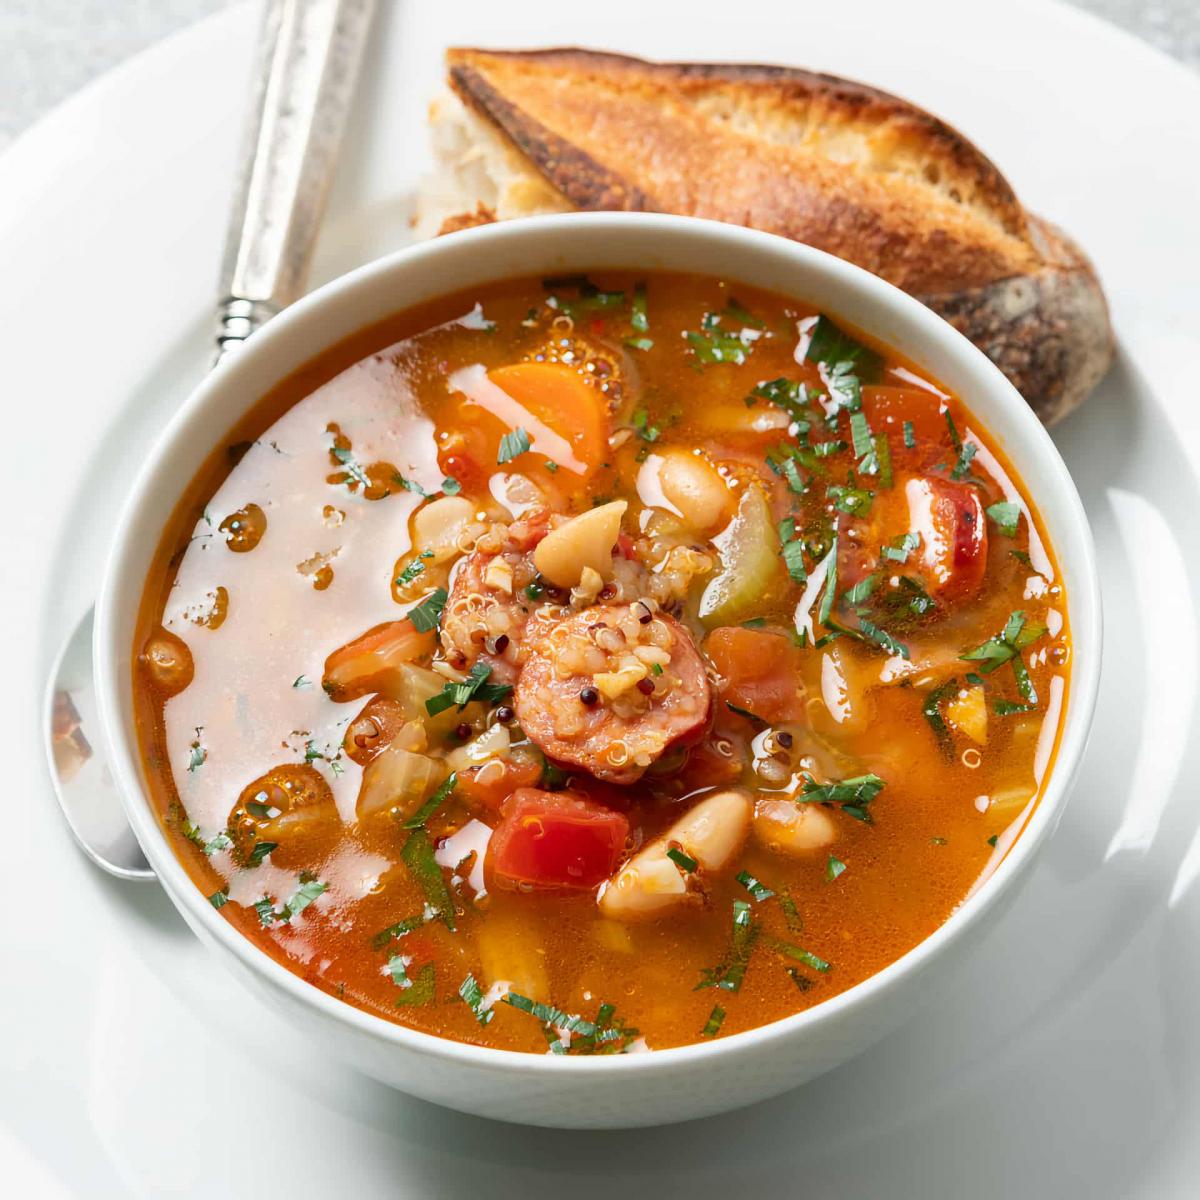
x,y
307,63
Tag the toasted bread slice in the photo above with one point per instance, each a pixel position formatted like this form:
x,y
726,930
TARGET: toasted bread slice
x,y
835,164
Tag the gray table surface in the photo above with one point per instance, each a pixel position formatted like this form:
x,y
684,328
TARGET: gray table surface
x,y
51,48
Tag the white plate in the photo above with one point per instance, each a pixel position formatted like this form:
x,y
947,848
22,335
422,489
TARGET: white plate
x,y
1065,1063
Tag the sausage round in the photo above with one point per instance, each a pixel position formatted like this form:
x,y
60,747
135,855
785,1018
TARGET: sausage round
x,y
610,689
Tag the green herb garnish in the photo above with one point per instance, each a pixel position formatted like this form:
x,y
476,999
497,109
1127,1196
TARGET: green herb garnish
x,y
421,990
684,861
800,955
713,1025
513,444
638,316
417,856
1007,516
472,994
757,890
474,687
854,794
304,895
831,345
646,431
433,803
931,710
716,345
219,899
426,615
899,549
260,851
833,868
854,501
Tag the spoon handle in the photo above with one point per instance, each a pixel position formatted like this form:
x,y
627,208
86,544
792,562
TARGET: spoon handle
x,y
306,65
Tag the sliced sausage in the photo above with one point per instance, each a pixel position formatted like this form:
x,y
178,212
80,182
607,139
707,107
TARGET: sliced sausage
x,y
488,606
610,689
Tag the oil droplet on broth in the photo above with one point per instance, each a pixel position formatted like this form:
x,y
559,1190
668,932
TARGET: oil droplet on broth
x,y
244,528
211,611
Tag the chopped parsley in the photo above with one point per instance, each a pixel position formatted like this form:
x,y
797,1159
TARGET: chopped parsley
x,y
418,819
793,559
1006,515
403,928
965,450
421,989
354,473
828,596
472,995
638,316
640,343
757,890
1006,647
992,840
899,549
931,710
219,899
909,437
713,1025
833,868
304,895
512,444
302,682
646,431
1007,708
589,299
831,345
415,569
789,395
684,861
854,501
474,687
800,955
854,794
736,311
260,851
717,345
729,974
451,486
426,615
197,755
417,856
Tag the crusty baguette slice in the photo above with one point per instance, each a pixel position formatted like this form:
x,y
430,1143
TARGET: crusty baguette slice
x,y
835,164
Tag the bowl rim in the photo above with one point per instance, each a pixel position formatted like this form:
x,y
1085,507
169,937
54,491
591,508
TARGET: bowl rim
x,y
111,657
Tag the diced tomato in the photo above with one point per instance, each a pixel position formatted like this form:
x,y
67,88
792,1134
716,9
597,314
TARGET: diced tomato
x,y
888,408
486,786
555,841
950,519
759,672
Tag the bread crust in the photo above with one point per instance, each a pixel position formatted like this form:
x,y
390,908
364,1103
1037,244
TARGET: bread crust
x,y
835,164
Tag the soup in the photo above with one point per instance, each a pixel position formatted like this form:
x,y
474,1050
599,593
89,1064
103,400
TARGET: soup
x,y
594,665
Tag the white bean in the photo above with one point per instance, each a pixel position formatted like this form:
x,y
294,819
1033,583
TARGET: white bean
x,y
696,488
711,833
584,541
437,525
789,828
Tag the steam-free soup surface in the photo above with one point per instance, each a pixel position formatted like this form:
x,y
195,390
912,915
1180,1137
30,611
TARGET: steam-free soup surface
x,y
600,664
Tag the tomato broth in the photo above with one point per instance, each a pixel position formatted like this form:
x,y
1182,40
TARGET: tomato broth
x,y
599,664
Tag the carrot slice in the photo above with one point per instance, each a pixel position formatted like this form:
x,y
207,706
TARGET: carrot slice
x,y
560,397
